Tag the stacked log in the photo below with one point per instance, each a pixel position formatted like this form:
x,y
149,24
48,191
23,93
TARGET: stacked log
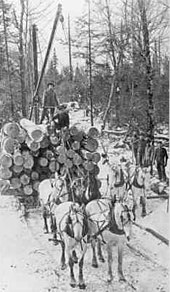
x,y
32,153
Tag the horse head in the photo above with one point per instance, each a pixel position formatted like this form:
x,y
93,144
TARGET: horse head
x,y
139,177
59,188
123,219
76,223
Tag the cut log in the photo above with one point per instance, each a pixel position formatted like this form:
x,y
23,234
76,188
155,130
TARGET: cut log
x,y
77,160
66,135
49,154
96,157
54,166
6,160
32,145
70,153
89,156
93,132
34,175
18,158
60,150
36,185
17,169
5,173
88,165
96,170
79,137
45,142
90,144
62,158
15,183
35,132
24,179
43,161
28,162
9,145
22,136
74,131
28,190
69,163
54,140
11,130
75,145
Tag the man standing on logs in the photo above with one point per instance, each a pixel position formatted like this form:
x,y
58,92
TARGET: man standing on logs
x,y
50,102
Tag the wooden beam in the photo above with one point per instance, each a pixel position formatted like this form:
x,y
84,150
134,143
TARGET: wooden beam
x,y
57,17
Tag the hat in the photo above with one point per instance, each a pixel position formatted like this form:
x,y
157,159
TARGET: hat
x,y
50,83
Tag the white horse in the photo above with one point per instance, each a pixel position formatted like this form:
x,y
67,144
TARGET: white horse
x,y
51,192
129,180
71,227
110,222
137,183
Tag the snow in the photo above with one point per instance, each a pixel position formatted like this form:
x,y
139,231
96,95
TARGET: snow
x,y
30,263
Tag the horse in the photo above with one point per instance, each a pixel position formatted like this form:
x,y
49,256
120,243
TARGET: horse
x,y
71,227
109,221
129,180
51,192
136,183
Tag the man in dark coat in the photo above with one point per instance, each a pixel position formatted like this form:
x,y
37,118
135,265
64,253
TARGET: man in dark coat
x,y
135,146
161,158
50,102
141,150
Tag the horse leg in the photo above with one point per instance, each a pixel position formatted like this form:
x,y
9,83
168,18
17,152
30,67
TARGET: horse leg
x,y
63,259
45,221
134,211
120,262
94,258
74,257
143,204
109,261
82,284
71,265
99,251
51,223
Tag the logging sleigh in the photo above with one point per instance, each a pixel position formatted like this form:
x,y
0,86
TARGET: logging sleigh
x,y
31,153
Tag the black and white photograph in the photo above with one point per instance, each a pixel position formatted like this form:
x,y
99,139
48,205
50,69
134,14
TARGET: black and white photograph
x,y
84,145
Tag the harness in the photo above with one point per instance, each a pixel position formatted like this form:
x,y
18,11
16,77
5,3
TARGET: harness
x,y
69,225
122,181
136,184
112,225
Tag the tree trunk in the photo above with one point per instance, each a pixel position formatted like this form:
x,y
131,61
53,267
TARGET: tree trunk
x,y
21,58
149,74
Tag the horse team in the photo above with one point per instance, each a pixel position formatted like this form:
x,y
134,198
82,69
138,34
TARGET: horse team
x,y
102,221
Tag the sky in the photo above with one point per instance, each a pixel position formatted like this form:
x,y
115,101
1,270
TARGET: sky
x,y
43,14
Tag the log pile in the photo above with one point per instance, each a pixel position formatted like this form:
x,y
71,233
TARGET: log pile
x,y
31,153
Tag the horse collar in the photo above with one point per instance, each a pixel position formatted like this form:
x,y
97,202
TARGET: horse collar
x,y
121,183
135,182
113,225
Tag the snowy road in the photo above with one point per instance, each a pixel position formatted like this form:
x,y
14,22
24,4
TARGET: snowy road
x,y
30,263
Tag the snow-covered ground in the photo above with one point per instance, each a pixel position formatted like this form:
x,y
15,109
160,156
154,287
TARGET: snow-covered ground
x,y
30,263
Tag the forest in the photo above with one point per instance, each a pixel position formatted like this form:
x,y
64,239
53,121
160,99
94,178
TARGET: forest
x,y
129,62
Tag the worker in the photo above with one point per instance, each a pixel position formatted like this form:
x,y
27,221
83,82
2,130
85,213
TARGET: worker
x,y
161,158
50,102
134,144
141,150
